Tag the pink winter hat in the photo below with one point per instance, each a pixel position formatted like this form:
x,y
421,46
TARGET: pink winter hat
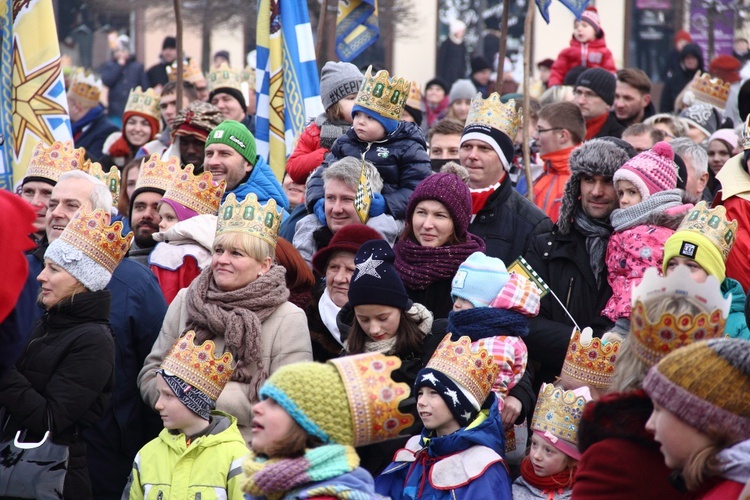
x,y
651,171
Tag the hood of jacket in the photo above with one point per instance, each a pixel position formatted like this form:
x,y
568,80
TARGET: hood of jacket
x,y
734,287
200,229
263,183
87,307
692,49
215,437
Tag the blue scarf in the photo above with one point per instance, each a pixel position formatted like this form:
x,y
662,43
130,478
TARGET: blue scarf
x,y
89,117
483,322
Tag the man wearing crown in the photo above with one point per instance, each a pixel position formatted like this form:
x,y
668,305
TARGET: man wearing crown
x,y
225,92
88,118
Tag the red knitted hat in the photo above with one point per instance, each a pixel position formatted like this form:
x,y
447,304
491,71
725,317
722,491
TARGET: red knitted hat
x,y
591,16
651,171
683,35
725,67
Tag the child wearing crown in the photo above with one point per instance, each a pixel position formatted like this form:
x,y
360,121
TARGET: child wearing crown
x,y
199,452
458,454
397,149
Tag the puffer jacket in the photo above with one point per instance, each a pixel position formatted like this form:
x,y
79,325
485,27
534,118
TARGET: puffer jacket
x,y
120,80
593,54
736,326
261,181
310,150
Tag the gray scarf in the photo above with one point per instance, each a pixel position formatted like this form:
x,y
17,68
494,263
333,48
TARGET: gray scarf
x,y
597,234
330,131
640,213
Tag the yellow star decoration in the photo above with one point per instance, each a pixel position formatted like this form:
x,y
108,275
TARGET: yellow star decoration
x,y
30,104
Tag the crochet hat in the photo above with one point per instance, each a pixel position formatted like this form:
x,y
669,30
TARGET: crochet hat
x,y
494,122
451,191
235,135
651,171
198,119
600,81
591,16
704,117
350,400
557,415
47,164
479,63
706,385
226,80
338,80
382,98
347,239
375,281
479,279
462,89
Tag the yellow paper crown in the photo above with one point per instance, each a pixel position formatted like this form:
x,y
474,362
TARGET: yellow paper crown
x,y
713,224
111,178
157,174
558,413
415,96
85,87
51,162
103,243
248,75
383,95
196,192
474,371
491,112
589,360
250,217
145,103
654,340
713,91
224,77
198,365
190,72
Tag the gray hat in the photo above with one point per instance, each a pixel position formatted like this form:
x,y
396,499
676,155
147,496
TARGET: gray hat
x,y
462,89
704,117
338,80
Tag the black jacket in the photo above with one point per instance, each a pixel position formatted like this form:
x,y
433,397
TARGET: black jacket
x,y
93,136
436,297
681,78
611,128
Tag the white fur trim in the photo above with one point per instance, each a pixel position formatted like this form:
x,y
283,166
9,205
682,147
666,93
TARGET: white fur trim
x,y
460,469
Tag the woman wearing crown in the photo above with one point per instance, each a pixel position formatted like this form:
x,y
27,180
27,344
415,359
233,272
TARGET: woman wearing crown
x,y
140,124
240,302
65,377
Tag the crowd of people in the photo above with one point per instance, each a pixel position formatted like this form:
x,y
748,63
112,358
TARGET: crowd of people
x,y
395,317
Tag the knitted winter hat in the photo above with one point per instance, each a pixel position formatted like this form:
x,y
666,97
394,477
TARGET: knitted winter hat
x,y
725,67
479,63
462,89
375,281
651,171
182,212
449,190
591,16
682,35
198,119
479,279
338,80
706,385
439,82
704,117
169,42
545,63
729,136
389,124
571,77
236,136
347,239
600,81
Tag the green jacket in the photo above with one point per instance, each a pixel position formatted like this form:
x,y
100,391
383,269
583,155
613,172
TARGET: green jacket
x,y
210,468
736,326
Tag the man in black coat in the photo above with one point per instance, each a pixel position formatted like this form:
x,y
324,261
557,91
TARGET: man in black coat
x,y
157,74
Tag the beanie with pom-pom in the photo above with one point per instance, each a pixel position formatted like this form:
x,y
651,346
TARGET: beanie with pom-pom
x,y
651,171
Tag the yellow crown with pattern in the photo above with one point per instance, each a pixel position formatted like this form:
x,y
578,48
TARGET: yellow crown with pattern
x,y
557,415
713,91
51,162
199,365
145,103
249,216
199,193
415,96
589,360
248,75
111,178
491,112
383,94
91,234
713,224
190,71
224,77
85,87
157,174
656,339
474,371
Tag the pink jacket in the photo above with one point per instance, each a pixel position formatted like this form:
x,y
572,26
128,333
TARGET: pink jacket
x,y
593,54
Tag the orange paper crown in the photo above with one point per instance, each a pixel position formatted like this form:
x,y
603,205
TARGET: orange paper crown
x,y
713,91
196,192
51,162
157,174
85,87
557,415
111,178
94,237
589,360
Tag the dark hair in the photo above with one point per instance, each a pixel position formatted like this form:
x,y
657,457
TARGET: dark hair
x,y
446,126
656,134
188,87
123,204
408,337
636,78
565,115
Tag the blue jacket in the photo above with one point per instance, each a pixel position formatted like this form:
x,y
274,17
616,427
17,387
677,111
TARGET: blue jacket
x,y
121,80
94,129
263,183
401,159
736,326
472,456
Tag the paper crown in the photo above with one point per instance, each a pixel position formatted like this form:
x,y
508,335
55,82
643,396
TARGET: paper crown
x,y
373,396
111,178
224,77
589,360
248,76
145,103
198,365
157,174
474,371
250,217
713,91
51,162
190,71
713,224
654,340
196,192
491,112
85,87
383,95
557,415
414,99
102,243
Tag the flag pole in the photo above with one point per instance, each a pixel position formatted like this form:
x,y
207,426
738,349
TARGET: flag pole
x,y
527,39
321,31
501,54
180,58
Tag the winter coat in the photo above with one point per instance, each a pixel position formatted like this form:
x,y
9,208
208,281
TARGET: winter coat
x,y
401,159
436,297
94,133
355,484
735,196
157,74
68,370
610,128
680,79
289,224
736,325
550,186
284,339
451,61
121,80
209,468
467,464
593,54
309,153
522,490
262,181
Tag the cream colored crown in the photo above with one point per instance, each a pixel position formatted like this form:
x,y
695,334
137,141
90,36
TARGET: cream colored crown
x,y
224,77
199,365
111,178
190,71
85,87
248,75
713,224
51,162
145,103
261,221
491,112
713,91
589,360
157,174
383,95
199,193
91,234
558,413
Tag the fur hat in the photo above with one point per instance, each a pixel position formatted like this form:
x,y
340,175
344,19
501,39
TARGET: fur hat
x,y
449,190
347,239
651,171
600,81
375,281
479,279
338,80
462,89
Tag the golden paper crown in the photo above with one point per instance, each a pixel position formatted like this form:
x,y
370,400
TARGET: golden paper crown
x,y
190,72
373,396
713,224
558,413
51,162
85,87
415,96
589,360
102,243
224,77
157,174
654,340
262,221
474,371
196,192
248,75
713,91
383,95
111,178
491,112
198,365
145,103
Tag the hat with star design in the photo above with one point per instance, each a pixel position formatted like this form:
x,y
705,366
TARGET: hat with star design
x,y
375,280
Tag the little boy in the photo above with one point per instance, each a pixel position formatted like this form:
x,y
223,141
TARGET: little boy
x,y
199,453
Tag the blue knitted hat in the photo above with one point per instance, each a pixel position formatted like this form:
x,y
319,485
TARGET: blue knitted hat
x,y
375,281
388,124
479,279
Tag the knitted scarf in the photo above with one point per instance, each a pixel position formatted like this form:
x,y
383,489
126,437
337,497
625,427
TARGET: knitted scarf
x,y
387,346
236,316
639,214
479,197
273,478
419,266
595,125
550,484
597,236
330,131
483,322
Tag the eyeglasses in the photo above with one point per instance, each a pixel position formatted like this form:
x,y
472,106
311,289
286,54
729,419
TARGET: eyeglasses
x,y
543,130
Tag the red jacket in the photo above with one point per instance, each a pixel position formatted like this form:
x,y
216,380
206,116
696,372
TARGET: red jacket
x,y
593,54
738,265
307,156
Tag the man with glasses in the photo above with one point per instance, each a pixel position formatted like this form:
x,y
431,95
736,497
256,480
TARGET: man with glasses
x,y
594,95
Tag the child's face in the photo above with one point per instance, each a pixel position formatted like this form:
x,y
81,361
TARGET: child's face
x,y
679,441
271,426
367,129
698,274
434,412
583,31
434,94
347,103
174,414
461,108
545,458
627,193
460,304
378,322
168,217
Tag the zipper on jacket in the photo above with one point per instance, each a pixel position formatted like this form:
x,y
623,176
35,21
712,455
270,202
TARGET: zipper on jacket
x,y
160,495
570,292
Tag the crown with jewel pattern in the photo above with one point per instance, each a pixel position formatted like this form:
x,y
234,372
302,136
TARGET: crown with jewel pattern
x,y
145,103
557,415
190,71
713,91
713,224
198,365
224,77
199,193
491,112
248,76
51,162
85,87
589,360
94,237
250,217
157,174
383,94
111,178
